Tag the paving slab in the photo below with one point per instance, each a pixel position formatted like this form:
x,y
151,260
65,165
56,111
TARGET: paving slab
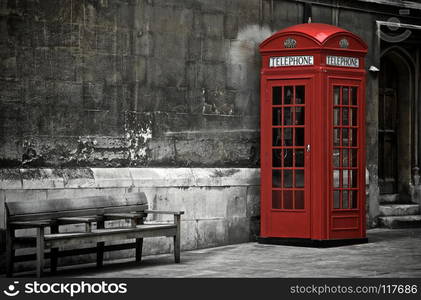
x,y
389,253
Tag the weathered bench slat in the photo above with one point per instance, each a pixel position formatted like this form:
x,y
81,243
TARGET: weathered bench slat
x,y
164,212
76,220
70,204
78,213
30,224
110,235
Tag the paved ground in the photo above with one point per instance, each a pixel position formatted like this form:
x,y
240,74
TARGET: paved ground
x,y
389,253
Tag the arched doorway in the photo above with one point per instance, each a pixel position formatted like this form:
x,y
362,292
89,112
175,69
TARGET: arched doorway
x,y
395,119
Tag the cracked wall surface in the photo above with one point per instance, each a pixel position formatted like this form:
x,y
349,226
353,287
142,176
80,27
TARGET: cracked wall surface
x,y
119,83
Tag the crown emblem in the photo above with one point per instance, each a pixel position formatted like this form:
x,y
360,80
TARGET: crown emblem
x,y
290,43
344,43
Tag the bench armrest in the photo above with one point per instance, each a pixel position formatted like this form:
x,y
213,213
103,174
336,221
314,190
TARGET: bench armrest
x,y
165,212
119,216
29,224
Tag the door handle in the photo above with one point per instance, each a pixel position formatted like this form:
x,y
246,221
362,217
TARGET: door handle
x,y
308,148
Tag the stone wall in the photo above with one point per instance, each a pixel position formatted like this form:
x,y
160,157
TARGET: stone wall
x,y
221,205
108,83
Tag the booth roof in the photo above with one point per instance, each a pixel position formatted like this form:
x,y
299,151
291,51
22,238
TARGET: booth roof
x,y
319,31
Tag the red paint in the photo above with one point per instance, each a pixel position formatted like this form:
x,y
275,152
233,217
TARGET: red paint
x,y
298,189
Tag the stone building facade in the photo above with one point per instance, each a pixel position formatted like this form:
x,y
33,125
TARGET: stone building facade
x,y
111,96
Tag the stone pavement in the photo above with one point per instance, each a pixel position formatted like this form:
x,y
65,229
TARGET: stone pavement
x,y
389,253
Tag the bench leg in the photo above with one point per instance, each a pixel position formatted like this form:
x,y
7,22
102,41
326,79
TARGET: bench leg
x,y
139,246
177,249
100,247
10,252
177,219
54,252
40,251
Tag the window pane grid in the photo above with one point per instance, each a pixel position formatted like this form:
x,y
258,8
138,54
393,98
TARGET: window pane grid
x,y
345,147
288,111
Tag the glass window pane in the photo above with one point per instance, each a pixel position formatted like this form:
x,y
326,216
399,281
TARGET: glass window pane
x,y
299,136
276,199
299,178
336,158
345,96
354,178
277,95
353,195
336,95
336,117
354,162
299,199
287,157
345,178
345,158
354,137
276,137
299,158
299,116
344,137
288,200
288,94
299,94
287,137
336,199
354,92
277,158
354,117
336,137
336,178
344,199
287,116
345,115
276,179
288,178
277,116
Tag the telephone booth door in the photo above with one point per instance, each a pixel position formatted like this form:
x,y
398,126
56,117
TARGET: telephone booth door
x,y
290,167
348,185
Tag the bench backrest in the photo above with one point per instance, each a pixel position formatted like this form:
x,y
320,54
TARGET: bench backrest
x,y
78,207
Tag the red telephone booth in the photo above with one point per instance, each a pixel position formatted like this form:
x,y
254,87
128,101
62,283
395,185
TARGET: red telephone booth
x,y
313,136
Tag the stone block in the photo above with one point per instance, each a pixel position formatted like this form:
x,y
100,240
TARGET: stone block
x,y
238,230
10,179
211,233
188,234
166,72
215,49
112,177
143,43
213,24
172,19
236,203
41,179
161,177
253,201
230,26
78,178
212,76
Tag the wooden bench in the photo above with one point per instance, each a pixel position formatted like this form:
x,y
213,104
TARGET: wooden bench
x,y
92,214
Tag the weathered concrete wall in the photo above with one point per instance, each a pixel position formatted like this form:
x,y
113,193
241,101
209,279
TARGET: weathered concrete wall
x,y
221,205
